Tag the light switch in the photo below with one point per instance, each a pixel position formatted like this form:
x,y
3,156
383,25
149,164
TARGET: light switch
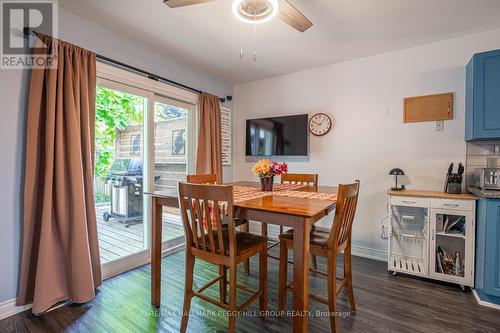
x,y
439,125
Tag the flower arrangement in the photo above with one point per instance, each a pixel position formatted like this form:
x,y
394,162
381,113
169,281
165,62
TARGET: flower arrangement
x,y
266,170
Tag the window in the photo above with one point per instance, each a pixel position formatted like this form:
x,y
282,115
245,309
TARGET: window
x,y
178,142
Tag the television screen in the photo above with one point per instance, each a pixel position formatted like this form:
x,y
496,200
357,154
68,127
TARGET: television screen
x,y
277,136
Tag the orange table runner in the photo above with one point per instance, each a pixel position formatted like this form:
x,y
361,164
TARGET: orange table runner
x,y
308,195
243,193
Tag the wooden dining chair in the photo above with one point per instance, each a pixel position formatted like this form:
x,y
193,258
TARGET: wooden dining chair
x,y
309,180
202,208
327,243
211,179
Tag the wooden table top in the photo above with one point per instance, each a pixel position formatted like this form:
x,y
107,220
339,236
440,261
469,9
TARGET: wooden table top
x,y
306,207
432,194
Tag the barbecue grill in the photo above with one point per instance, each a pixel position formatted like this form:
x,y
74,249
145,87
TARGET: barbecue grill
x,y
125,180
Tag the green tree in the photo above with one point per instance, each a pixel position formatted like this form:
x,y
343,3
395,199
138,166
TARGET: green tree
x,y
114,110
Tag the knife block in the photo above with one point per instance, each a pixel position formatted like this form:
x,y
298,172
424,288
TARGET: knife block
x,y
454,188
453,183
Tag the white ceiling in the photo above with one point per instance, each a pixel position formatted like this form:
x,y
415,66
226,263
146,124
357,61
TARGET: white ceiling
x,y
207,36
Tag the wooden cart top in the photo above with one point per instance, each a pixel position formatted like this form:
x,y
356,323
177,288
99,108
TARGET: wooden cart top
x,y
432,194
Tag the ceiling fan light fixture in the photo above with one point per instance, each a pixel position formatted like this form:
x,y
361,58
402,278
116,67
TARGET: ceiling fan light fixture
x,y
255,11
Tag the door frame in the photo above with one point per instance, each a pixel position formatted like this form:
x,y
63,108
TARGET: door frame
x,y
123,80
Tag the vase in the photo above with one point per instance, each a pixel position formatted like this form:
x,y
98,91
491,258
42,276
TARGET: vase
x,y
267,183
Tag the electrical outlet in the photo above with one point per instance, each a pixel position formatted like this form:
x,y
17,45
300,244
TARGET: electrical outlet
x,y
439,125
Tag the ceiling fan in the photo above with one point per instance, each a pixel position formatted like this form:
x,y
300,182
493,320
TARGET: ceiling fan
x,y
258,11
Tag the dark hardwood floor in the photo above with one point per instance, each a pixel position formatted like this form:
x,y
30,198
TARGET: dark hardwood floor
x,y
385,304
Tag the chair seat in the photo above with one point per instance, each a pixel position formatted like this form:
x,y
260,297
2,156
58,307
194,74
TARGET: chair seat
x,y
244,241
237,222
319,236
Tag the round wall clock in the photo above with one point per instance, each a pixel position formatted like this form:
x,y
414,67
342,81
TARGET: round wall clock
x,y
320,124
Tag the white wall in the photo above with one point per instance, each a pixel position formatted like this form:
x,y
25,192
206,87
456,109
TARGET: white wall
x,y
364,96
13,90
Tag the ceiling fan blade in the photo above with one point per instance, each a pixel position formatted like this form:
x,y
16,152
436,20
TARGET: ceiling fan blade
x,y
182,3
293,17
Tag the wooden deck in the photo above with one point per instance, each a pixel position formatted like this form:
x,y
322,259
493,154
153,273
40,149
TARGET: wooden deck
x,y
116,240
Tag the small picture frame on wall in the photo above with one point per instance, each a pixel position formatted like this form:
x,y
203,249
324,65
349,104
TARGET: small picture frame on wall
x,y
135,144
178,142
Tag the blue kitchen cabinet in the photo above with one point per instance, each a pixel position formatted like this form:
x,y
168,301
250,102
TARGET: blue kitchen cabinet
x,y
482,97
487,280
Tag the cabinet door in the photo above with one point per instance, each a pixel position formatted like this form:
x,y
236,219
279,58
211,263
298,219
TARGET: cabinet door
x,y
492,249
408,244
451,246
484,89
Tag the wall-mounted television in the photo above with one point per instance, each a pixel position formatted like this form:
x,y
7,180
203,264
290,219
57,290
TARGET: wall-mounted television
x,y
277,136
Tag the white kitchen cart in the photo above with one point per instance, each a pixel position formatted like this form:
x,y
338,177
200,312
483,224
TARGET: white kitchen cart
x,y
432,235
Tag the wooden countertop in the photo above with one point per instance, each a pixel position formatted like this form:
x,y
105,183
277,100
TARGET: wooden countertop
x,y
432,194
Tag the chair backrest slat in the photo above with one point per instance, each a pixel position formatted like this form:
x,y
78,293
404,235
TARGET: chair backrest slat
x,y
306,179
218,223
347,200
206,207
203,225
194,221
190,237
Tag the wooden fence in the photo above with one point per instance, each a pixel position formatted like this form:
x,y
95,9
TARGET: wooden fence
x,y
169,161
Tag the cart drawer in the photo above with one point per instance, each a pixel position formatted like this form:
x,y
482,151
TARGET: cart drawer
x,y
409,201
467,205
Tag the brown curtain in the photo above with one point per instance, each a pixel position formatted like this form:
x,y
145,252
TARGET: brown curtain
x,y
209,158
60,253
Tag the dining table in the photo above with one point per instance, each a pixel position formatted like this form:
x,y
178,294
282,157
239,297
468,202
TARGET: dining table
x,y
298,207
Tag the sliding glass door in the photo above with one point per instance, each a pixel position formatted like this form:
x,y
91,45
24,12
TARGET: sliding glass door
x,y
172,154
118,176
172,133
143,142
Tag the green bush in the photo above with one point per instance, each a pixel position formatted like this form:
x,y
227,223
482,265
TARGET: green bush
x,y
114,110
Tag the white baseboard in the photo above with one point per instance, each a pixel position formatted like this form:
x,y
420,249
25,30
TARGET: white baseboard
x,y
359,251
484,303
369,253
8,308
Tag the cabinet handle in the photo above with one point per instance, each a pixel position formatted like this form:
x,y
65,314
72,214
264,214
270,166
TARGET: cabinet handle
x,y
433,234
409,202
450,205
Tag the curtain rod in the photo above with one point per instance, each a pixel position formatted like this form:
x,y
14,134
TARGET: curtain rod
x,y
28,31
